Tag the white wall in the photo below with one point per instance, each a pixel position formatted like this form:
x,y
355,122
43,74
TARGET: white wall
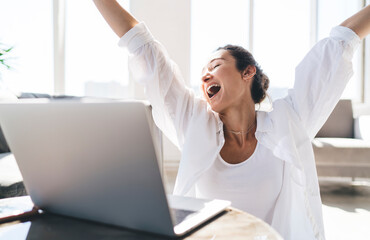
x,y
169,22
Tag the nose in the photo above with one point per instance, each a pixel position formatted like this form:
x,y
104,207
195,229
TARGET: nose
x,y
206,77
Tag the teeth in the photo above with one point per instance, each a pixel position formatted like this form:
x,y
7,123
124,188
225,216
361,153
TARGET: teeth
x,y
209,88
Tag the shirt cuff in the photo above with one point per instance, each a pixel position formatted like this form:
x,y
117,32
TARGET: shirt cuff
x,y
136,37
345,34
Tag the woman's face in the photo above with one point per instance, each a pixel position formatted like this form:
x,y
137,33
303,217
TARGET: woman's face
x,y
223,85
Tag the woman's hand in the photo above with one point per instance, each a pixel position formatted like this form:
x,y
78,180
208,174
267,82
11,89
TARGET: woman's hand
x,y
116,16
360,22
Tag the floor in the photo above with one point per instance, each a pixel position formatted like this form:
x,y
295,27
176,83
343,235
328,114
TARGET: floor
x,y
346,206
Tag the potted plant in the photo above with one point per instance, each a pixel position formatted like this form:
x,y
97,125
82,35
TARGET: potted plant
x,y
5,93
4,55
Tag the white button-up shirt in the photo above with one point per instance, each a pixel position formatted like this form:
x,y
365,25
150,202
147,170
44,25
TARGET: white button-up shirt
x,y
287,130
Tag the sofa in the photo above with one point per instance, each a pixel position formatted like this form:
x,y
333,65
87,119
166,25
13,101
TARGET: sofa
x,y
342,146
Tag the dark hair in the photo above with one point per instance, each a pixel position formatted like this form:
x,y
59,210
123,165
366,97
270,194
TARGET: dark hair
x,y
243,59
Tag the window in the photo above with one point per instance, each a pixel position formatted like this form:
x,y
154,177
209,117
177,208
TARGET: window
x,y
95,65
213,26
279,34
280,43
28,27
339,10
366,82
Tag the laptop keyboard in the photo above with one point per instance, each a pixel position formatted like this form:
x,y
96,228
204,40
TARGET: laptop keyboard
x,y
179,215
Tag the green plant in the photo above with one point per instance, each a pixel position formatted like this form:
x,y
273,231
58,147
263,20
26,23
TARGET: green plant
x,y
4,52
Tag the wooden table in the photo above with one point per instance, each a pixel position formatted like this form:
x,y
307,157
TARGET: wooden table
x,y
233,224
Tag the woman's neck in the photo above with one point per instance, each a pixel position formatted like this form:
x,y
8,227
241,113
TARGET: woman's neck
x,y
239,124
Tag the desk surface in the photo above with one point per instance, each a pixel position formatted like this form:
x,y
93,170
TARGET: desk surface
x,y
233,223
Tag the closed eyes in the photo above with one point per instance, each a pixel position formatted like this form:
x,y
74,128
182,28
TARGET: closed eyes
x,y
214,67
217,65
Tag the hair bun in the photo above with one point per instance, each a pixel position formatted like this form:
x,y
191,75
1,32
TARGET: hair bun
x,y
265,82
260,85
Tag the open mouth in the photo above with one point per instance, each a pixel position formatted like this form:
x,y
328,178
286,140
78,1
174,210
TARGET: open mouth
x,y
213,89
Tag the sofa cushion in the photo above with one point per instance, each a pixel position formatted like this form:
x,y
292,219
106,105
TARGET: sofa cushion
x,y
44,95
342,151
344,157
11,181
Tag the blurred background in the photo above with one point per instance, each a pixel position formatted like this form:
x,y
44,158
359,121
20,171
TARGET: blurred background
x,y
64,47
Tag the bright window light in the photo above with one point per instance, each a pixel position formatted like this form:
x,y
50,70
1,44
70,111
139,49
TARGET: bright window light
x,y
281,39
28,26
95,65
339,11
215,23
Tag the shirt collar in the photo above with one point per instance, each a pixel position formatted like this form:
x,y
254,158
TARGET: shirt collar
x,y
264,123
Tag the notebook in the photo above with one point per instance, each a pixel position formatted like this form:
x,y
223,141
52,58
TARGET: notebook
x,y
97,160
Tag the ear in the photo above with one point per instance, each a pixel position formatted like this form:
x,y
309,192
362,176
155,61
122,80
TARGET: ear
x,y
249,72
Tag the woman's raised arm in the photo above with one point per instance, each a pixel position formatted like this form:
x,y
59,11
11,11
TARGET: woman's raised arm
x,y
116,16
360,22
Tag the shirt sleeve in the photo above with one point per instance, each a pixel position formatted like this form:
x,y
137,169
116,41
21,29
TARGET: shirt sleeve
x,y
172,102
320,78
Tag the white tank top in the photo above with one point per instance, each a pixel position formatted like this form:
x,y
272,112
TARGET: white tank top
x,y
252,186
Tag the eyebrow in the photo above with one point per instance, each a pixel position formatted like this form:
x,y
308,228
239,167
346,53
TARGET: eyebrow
x,y
220,58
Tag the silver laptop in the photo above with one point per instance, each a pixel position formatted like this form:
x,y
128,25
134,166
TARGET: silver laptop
x,y
97,161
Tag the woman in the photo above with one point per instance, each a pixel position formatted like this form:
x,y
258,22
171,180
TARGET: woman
x,y
262,162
